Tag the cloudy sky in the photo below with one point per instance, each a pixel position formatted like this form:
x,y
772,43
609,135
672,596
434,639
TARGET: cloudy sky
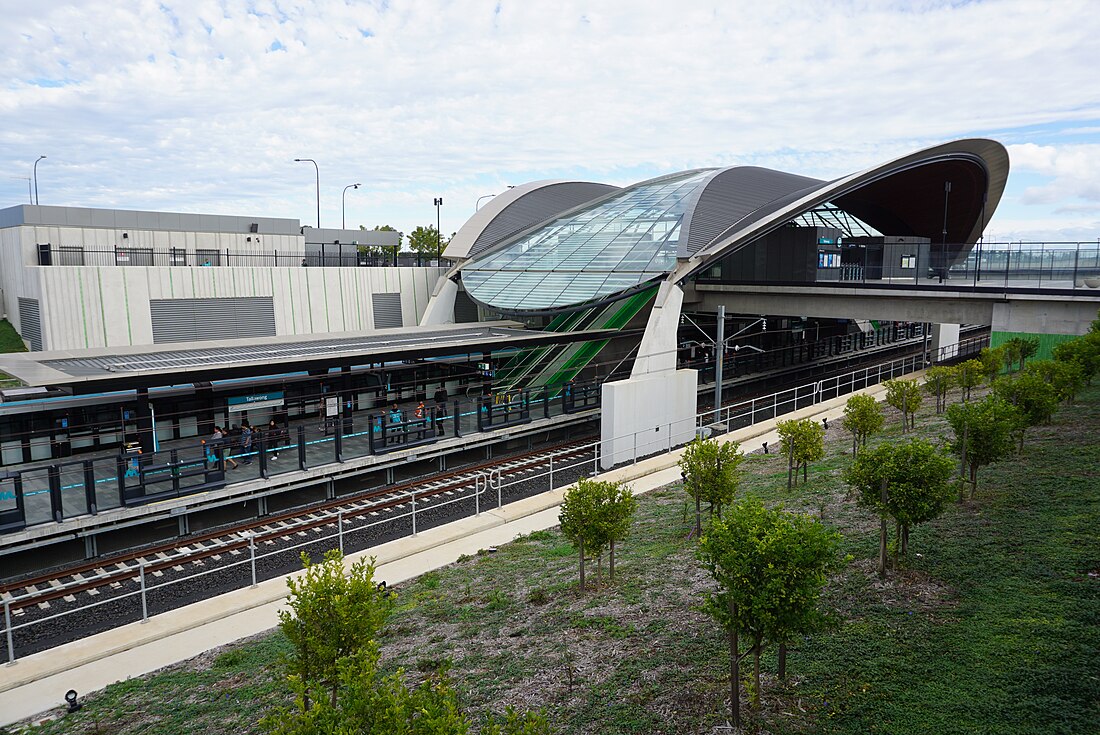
x,y
202,105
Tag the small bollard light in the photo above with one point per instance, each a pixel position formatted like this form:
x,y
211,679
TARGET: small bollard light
x,y
71,697
765,447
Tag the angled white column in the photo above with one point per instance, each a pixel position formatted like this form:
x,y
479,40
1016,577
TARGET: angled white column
x,y
654,409
441,306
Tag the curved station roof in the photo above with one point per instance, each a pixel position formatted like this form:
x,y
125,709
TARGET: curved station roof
x,y
561,245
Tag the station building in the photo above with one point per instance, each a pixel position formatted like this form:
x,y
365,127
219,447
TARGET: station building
x,y
560,304
567,254
74,278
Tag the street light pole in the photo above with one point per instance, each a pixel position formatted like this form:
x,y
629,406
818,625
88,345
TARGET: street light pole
x,y
438,234
943,247
318,171
36,179
483,196
343,204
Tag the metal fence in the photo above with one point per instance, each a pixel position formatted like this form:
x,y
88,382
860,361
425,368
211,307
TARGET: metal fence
x,y
326,255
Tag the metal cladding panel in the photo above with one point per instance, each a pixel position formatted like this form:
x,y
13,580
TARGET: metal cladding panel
x,y
732,194
192,320
30,323
535,207
387,310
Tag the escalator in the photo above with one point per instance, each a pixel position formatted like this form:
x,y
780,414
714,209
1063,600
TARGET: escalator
x,y
557,365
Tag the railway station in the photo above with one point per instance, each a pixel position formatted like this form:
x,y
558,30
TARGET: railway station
x,y
565,320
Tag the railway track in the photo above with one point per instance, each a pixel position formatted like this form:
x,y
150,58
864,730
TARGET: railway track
x,y
97,578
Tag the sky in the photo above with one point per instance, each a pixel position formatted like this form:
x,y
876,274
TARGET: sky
x,y
203,105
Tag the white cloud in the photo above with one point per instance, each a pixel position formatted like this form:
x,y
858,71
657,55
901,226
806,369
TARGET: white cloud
x,y
183,105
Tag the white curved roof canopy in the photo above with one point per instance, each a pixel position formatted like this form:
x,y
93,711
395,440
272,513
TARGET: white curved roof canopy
x,y
523,260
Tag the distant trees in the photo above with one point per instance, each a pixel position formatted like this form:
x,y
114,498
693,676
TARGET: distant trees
x,y
904,395
909,482
803,441
770,567
596,514
712,473
426,241
983,433
862,417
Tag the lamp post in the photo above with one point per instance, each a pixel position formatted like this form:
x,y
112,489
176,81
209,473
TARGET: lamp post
x,y
318,170
943,247
438,234
343,204
36,178
483,196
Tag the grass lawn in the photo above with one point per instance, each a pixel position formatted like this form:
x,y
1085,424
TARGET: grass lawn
x,y
991,626
9,342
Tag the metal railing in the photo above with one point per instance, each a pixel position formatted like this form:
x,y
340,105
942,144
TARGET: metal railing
x,y
985,265
325,255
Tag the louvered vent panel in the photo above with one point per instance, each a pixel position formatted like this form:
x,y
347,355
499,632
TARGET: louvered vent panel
x,y
387,310
465,308
192,320
30,323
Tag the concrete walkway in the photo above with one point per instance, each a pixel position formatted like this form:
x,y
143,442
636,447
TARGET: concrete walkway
x,y
38,682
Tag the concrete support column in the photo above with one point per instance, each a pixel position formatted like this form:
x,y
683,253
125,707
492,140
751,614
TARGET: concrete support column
x,y
945,341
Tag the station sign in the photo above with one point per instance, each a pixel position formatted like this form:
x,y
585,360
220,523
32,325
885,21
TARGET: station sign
x,y
259,400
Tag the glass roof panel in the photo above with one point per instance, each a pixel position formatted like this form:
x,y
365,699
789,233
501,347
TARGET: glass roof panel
x,y
602,250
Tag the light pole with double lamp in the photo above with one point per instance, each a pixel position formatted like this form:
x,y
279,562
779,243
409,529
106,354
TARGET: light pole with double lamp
x,y
343,204
36,179
438,233
318,171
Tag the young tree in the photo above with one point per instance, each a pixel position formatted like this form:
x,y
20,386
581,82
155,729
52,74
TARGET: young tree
x,y
803,441
333,624
330,617
1084,352
1065,378
712,473
770,567
904,395
937,381
580,520
1034,398
983,433
917,486
969,375
617,516
862,417
1026,347
1010,352
992,361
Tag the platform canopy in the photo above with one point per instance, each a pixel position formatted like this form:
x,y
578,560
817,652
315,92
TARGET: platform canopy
x,y
135,367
